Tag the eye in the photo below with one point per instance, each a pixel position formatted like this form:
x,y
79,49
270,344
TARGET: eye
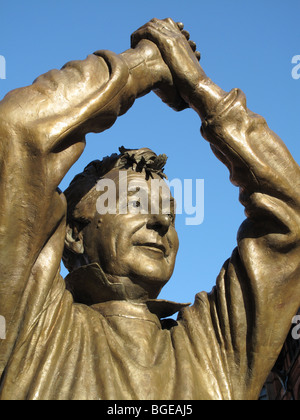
x,y
134,203
172,217
137,206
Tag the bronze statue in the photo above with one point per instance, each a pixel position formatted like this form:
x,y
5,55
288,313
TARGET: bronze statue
x,y
101,334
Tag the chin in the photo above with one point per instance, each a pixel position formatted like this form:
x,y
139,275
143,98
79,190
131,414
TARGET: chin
x,y
152,275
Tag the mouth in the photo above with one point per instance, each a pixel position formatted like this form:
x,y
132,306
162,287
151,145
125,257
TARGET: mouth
x,y
154,247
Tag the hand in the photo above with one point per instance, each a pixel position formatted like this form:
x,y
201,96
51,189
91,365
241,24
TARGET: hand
x,y
148,71
178,52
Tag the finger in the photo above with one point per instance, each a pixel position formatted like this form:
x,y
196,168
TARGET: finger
x,y
141,33
193,45
171,23
198,55
136,37
149,31
186,34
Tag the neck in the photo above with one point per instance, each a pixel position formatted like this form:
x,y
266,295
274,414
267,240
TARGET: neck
x,y
89,285
133,291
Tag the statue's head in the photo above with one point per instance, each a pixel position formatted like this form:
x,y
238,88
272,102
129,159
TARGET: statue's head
x,y
121,215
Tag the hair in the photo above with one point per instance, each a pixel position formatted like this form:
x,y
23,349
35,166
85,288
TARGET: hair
x,y
81,193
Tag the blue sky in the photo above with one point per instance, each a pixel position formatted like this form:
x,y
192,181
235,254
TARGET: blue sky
x,y
245,44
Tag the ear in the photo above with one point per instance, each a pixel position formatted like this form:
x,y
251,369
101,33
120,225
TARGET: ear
x,y
74,239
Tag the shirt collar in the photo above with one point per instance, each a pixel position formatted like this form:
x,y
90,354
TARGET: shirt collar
x,y
89,285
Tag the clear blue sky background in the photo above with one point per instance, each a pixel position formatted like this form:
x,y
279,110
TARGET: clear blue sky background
x,y
245,44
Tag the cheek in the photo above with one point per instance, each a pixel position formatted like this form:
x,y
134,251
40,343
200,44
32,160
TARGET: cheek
x,y
174,245
173,241
116,242
122,258
127,230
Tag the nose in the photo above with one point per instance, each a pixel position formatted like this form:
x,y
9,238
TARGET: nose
x,y
159,222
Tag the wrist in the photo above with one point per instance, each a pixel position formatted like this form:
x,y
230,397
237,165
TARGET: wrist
x,y
204,96
146,67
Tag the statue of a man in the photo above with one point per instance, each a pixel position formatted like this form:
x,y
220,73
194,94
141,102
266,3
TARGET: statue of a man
x,y
100,334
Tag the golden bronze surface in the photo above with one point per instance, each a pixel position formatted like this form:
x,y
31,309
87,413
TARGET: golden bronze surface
x,y
99,333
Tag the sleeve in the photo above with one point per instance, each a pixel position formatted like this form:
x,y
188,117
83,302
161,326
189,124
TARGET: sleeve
x,y
52,116
244,321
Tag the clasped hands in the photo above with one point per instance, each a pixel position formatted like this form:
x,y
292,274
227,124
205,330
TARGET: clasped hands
x,y
172,58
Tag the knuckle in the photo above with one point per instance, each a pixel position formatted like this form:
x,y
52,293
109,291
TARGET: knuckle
x,y
186,34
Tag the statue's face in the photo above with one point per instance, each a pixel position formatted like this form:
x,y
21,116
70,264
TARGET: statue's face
x,y
141,247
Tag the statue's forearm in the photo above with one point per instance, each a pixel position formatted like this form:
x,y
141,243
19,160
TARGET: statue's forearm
x,y
61,101
60,107
203,94
146,68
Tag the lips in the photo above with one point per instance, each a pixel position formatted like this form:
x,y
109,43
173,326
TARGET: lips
x,y
154,246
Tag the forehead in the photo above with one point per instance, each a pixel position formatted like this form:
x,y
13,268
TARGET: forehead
x,y
138,181
130,192
132,182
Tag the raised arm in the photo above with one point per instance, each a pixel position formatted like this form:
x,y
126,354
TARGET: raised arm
x,y
244,321
54,113
42,133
